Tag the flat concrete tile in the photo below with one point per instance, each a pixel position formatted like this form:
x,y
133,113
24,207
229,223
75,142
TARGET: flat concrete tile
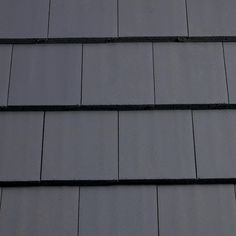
x,y
189,73
118,74
80,18
24,18
119,211
197,210
39,211
211,17
230,61
156,145
215,137
46,75
5,61
152,18
80,146
20,145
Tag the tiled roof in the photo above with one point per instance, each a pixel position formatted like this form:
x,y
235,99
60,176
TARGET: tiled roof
x,y
117,117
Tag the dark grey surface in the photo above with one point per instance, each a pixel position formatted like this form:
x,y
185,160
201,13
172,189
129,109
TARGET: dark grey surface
x,y
39,211
189,73
81,145
152,18
79,18
46,75
215,136
230,61
118,74
5,61
197,210
20,145
156,144
24,18
118,211
211,17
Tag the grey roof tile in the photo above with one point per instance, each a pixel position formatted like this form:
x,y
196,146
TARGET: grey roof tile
x,y
118,74
5,61
156,144
197,210
24,18
215,137
211,17
39,211
80,145
123,210
152,18
189,73
230,60
20,145
46,75
79,18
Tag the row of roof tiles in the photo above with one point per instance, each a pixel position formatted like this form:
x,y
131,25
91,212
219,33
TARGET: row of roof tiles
x,y
118,73
110,145
112,18
121,210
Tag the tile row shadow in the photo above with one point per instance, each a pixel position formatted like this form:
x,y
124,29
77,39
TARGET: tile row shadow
x,y
116,18
117,74
112,145
120,210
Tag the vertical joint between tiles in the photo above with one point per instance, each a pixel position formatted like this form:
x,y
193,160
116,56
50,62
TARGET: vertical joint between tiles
x,y
226,75
194,145
49,15
9,79
118,18
186,10
78,228
153,72
158,214
81,75
1,192
118,143
42,147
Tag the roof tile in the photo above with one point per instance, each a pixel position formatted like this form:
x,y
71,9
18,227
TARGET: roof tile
x,y
20,145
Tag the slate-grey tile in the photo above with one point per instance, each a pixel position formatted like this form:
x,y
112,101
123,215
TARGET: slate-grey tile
x,y
5,61
189,73
152,18
118,74
46,75
39,211
197,210
156,144
230,60
24,18
79,18
215,137
211,17
20,145
81,145
119,211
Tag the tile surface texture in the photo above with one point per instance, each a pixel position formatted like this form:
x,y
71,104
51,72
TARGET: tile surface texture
x,y
152,18
189,73
80,18
156,145
24,18
197,210
120,73
215,138
20,145
211,17
46,75
118,211
39,211
5,61
81,145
